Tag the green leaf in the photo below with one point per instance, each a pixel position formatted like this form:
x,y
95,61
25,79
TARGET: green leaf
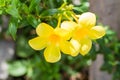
x,y
85,6
13,27
50,12
32,21
17,68
82,8
30,72
33,4
65,1
1,12
2,3
83,1
23,48
78,9
13,10
25,8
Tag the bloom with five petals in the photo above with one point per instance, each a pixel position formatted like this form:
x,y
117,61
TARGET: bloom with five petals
x,y
53,40
83,31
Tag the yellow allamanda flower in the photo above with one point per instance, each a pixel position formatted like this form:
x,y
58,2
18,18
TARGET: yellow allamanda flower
x,y
53,40
83,31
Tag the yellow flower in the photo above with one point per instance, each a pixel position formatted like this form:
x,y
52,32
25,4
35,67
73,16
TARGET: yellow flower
x,y
54,40
83,32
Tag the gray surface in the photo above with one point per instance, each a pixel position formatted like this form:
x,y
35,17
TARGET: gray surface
x,y
108,12
95,73
6,53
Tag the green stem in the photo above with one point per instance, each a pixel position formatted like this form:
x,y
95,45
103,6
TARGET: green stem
x,y
74,16
59,21
67,16
63,5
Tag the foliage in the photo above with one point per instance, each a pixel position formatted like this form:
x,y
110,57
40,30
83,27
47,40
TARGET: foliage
x,y
25,15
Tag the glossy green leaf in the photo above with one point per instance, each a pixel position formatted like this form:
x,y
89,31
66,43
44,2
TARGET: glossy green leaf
x,y
65,1
23,48
78,9
17,68
30,72
1,12
13,10
25,8
33,4
2,3
50,12
13,27
32,21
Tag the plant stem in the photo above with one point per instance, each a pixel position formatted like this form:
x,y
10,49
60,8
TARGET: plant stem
x,y
59,21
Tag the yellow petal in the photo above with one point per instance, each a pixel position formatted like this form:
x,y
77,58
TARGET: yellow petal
x,y
52,54
85,47
68,25
78,16
63,33
44,29
76,46
66,47
96,32
38,43
87,19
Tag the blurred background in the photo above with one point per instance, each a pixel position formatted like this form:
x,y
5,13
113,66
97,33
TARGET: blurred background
x,y
18,20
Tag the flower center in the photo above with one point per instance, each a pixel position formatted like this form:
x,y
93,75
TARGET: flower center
x,y
80,33
54,38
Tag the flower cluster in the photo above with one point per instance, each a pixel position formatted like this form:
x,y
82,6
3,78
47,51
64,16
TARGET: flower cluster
x,y
70,37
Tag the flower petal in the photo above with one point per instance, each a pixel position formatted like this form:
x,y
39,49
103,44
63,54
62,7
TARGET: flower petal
x,y
87,19
76,46
96,32
38,43
78,16
85,47
68,25
44,29
52,54
66,47
63,33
